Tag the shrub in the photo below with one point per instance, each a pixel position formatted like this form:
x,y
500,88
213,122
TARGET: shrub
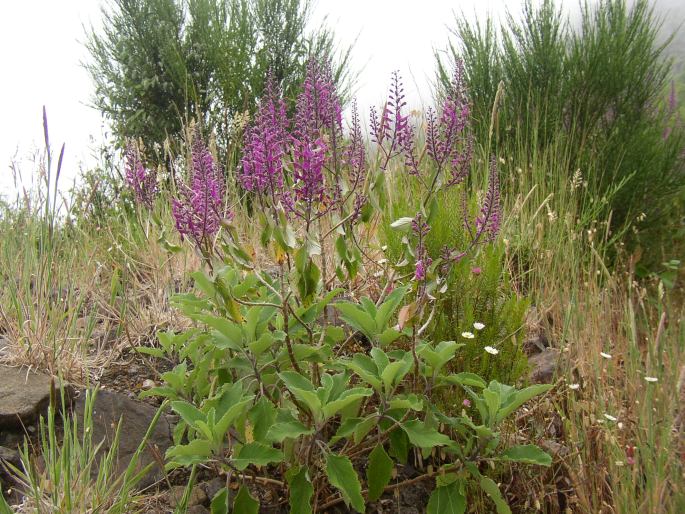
x,y
598,87
156,64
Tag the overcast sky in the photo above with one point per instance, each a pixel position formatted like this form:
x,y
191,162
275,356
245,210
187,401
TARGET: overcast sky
x,y
41,42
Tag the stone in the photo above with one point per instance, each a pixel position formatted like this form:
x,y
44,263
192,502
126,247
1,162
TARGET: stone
x,y
24,396
536,339
197,496
8,456
197,509
213,486
136,417
543,366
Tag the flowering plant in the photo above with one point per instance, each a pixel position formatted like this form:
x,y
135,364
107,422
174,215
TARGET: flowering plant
x,y
270,380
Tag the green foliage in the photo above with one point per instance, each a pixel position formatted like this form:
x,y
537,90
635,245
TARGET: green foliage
x,y
477,290
598,88
252,393
156,64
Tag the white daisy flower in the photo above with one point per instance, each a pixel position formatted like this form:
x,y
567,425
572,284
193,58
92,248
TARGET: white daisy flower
x,y
651,379
467,335
610,417
478,325
605,355
574,387
491,350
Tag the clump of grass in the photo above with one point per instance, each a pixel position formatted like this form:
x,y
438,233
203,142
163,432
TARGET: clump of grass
x,y
64,482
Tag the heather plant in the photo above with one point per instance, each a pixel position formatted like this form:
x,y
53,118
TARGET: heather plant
x,y
293,368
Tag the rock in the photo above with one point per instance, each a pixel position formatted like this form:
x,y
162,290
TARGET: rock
x,y
543,366
136,417
8,456
213,487
197,509
197,496
148,384
554,448
536,339
24,396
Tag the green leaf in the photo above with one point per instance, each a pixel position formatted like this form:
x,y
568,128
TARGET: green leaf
x,y
395,371
424,437
301,490
219,503
203,283
363,366
378,472
490,487
262,417
341,474
363,428
357,318
194,452
189,413
244,503
231,331
287,430
492,400
466,379
528,454
257,454
521,397
345,399
447,500
389,335
389,306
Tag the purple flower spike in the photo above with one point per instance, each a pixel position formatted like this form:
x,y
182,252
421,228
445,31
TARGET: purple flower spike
x,y
142,181
448,139
308,171
199,209
488,222
265,144
318,106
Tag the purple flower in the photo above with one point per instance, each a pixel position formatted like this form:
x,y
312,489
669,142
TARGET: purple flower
x,y
308,171
142,181
355,154
199,208
448,139
265,144
488,222
318,105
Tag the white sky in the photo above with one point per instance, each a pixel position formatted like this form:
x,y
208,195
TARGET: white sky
x,y
41,50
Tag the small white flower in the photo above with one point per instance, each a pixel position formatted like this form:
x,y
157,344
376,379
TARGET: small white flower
x,y
467,335
610,417
605,355
491,350
574,387
478,325
651,379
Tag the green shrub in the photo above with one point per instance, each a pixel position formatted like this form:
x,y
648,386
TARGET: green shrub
x,y
600,86
156,64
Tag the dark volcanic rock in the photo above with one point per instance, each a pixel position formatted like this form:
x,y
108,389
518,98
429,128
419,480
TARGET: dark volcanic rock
x,y
135,417
543,366
24,396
